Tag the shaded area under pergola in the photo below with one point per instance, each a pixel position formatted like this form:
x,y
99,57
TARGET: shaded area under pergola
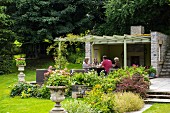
x,y
115,39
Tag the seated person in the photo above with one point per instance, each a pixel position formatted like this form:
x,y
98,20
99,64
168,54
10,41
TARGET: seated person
x,y
95,62
86,65
116,64
106,64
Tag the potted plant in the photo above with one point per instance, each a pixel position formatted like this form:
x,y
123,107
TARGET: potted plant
x,y
20,63
152,71
81,82
57,84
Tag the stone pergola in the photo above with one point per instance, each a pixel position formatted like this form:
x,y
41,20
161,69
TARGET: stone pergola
x,y
115,39
158,41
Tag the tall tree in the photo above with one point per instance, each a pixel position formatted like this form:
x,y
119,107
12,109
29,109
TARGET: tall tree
x,y
37,20
45,19
121,14
7,38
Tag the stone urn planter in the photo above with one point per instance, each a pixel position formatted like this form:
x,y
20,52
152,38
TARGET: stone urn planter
x,y
57,96
21,75
21,63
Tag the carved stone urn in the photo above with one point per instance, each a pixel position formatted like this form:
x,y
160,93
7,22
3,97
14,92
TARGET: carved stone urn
x,y
21,75
57,95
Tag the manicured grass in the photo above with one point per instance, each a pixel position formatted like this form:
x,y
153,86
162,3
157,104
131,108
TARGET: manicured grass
x,y
28,105
158,108
18,105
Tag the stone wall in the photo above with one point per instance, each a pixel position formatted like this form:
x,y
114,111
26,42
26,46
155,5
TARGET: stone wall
x,y
88,51
158,40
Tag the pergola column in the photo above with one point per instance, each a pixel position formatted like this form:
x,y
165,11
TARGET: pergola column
x,y
125,53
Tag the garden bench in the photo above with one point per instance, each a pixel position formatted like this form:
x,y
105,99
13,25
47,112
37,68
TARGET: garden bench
x,y
72,71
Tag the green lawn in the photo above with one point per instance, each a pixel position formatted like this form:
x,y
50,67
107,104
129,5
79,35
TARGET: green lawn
x,y
158,108
34,105
29,105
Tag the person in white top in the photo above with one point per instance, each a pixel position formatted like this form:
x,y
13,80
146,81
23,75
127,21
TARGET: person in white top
x,y
86,64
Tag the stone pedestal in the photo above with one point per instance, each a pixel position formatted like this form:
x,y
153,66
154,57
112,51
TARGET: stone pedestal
x,y
21,75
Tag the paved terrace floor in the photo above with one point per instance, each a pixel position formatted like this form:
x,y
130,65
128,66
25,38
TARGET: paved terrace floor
x,y
160,84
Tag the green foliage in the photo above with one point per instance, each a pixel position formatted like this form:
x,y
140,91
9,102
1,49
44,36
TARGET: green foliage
x,y
108,84
121,14
7,37
151,70
89,79
58,80
6,65
74,66
20,62
24,90
75,58
44,92
99,100
59,53
39,20
129,71
127,102
78,106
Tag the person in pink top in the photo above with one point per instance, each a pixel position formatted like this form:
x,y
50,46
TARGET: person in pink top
x,y
106,64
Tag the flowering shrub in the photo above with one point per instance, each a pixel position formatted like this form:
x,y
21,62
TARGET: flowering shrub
x,y
57,77
20,62
136,84
48,73
52,71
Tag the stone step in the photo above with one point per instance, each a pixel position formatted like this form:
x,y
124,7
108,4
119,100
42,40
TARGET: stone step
x,y
164,76
168,53
165,69
167,56
167,63
155,92
164,73
155,100
159,96
167,60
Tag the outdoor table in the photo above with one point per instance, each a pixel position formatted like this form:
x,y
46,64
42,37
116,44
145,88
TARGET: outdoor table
x,y
97,69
